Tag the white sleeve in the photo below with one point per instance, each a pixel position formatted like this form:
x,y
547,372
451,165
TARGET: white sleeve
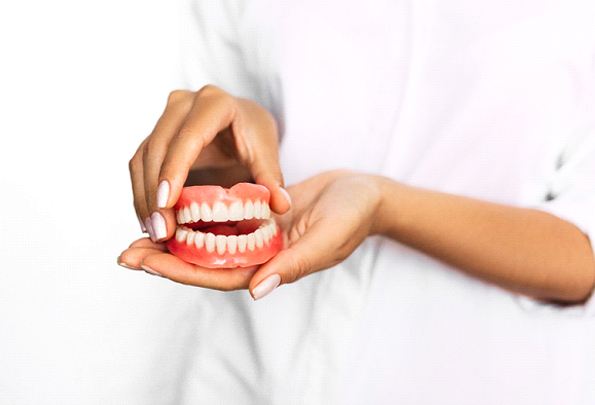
x,y
211,52
572,198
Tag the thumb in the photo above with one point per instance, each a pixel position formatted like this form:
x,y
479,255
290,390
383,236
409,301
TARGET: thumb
x,y
307,255
266,171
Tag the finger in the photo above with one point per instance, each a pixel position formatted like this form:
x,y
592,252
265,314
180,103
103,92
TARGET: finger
x,y
135,167
177,270
258,147
178,106
213,110
312,252
148,243
132,258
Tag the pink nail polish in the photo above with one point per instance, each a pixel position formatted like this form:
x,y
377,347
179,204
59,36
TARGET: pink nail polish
x,y
158,225
150,228
286,194
266,286
150,270
162,194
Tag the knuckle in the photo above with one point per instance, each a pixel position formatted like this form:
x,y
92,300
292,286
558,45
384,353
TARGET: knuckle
x,y
134,163
299,267
209,90
176,96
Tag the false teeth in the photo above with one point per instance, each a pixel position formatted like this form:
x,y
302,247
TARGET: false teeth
x,y
219,212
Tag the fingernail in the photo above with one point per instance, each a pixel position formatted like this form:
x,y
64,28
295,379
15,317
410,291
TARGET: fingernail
x,y
150,270
162,194
121,263
266,286
158,224
143,228
149,228
286,194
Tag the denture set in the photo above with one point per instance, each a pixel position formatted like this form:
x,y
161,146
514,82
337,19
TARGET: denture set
x,y
225,228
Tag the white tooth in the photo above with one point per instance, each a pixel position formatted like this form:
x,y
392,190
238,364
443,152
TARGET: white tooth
x,y
236,212
266,211
232,242
199,239
220,212
251,241
190,238
205,212
187,216
180,216
274,226
257,209
242,241
248,210
181,235
259,237
267,233
221,242
210,242
195,211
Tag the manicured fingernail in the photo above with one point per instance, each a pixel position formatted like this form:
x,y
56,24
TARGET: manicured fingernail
x,y
143,228
266,286
286,194
150,228
158,224
162,194
121,263
150,270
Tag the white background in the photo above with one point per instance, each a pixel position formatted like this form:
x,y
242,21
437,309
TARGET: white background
x,y
81,83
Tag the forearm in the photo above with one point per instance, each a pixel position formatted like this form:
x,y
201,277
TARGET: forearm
x,y
524,250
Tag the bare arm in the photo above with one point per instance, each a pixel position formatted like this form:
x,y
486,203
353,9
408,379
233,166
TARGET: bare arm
x,y
524,250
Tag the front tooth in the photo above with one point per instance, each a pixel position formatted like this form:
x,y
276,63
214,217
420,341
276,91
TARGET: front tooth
x,y
210,242
242,241
181,235
232,242
195,211
248,210
190,238
205,212
257,209
266,211
251,241
187,215
259,237
199,240
180,216
221,243
220,212
236,212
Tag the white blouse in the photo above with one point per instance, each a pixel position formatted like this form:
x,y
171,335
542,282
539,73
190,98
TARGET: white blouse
x,y
488,99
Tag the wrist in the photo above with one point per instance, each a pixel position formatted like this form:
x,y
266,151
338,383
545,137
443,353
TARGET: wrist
x,y
388,212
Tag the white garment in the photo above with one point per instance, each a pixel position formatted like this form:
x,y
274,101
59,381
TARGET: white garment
x,y
489,99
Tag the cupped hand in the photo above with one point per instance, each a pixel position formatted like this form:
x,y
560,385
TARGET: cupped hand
x,y
332,213
203,129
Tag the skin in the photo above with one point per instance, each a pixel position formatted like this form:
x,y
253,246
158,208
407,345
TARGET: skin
x,y
523,250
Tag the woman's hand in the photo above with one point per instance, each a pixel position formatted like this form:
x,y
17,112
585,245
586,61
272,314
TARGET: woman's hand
x,y
332,213
208,128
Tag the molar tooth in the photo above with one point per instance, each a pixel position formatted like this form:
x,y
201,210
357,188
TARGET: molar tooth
x,y
180,216
187,215
206,214
251,241
259,237
232,243
199,239
242,242
210,242
221,243
190,238
195,211
236,211
257,209
220,213
181,235
266,211
248,210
